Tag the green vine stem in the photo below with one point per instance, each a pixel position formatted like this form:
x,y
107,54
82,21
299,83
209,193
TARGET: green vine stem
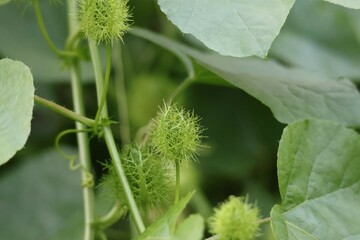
x,y
84,154
73,39
105,87
110,142
82,138
64,111
135,213
184,85
115,213
71,158
39,18
264,220
121,94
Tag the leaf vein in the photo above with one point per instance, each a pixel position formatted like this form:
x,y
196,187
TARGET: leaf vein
x,y
246,26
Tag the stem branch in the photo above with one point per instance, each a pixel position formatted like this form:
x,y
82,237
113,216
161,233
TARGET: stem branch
x,y
134,211
185,84
110,142
121,95
105,87
84,154
111,217
64,111
264,220
82,138
50,43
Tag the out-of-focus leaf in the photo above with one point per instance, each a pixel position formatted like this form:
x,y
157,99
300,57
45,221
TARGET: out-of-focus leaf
x,y
346,3
247,137
308,39
354,18
234,28
164,227
21,40
319,181
41,199
16,107
2,2
191,228
291,94
143,105
300,51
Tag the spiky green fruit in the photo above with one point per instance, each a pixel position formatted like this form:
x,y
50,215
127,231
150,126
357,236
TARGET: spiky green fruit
x,y
176,134
235,219
150,180
103,20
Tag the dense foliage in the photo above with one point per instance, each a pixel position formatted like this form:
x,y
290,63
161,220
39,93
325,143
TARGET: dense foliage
x,y
180,119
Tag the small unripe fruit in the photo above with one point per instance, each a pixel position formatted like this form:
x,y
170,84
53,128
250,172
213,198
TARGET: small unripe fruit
x,y
103,20
176,134
150,180
235,220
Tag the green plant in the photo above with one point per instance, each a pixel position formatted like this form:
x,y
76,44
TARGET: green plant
x,y
138,178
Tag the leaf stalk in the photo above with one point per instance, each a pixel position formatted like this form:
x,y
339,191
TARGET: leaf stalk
x,y
64,111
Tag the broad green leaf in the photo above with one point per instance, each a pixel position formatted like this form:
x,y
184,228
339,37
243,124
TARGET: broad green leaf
x,y
164,228
41,199
16,107
191,228
234,27
347,3
291,94
319,181
307,39
284,230
278,224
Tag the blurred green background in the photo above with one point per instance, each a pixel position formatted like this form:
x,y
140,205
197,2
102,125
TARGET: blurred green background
x,y
40,198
